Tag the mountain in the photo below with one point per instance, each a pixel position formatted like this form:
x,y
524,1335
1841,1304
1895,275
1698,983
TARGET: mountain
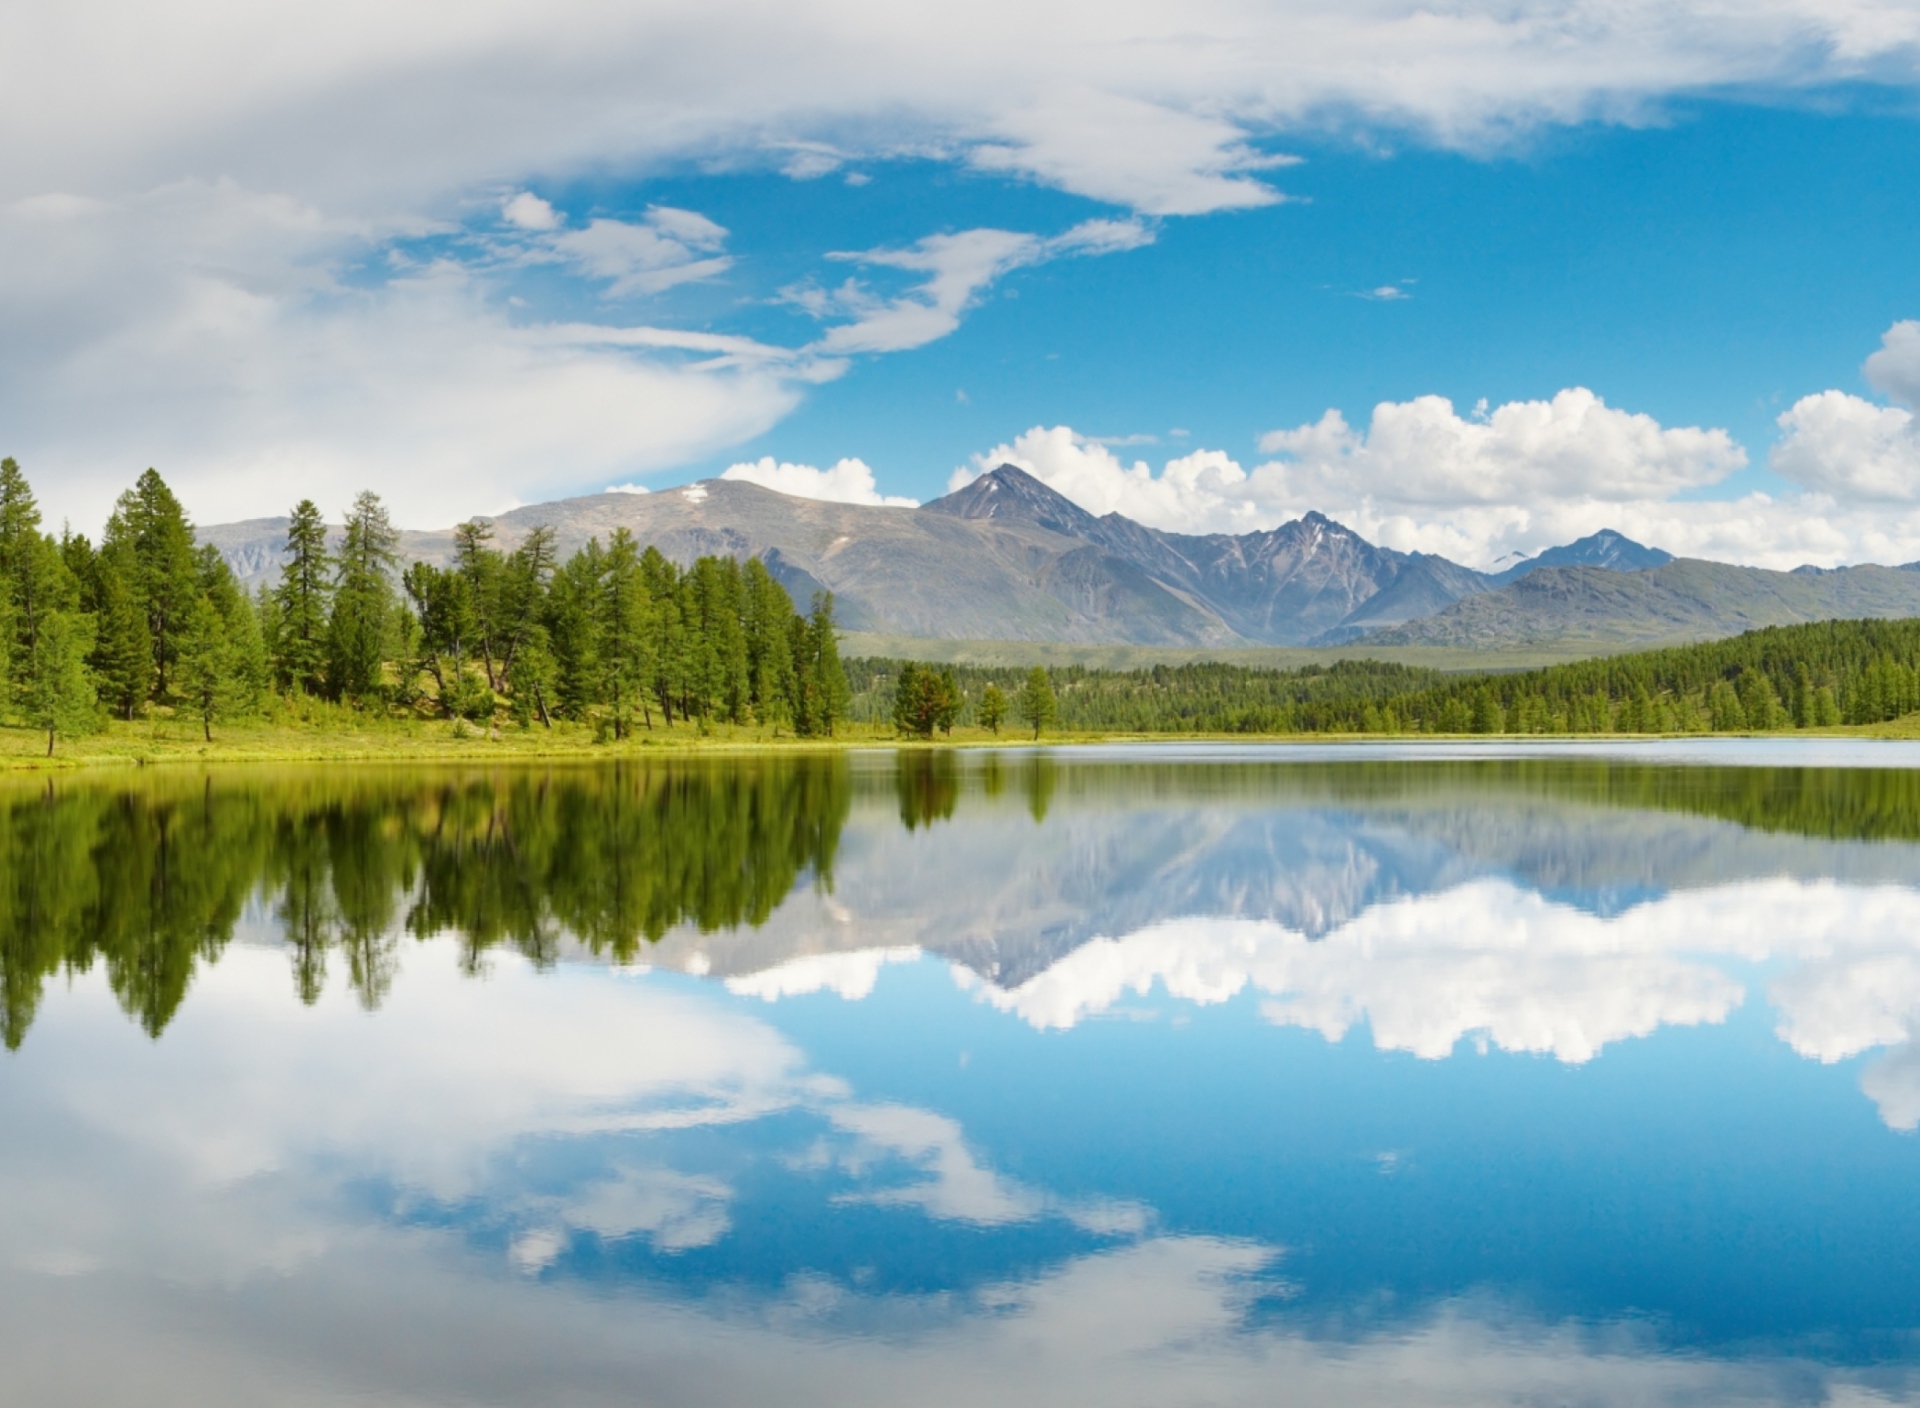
x,y
1607,548
1685,599
1005,558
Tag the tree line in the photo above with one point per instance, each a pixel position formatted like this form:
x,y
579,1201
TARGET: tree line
x,y
617,636
1781,677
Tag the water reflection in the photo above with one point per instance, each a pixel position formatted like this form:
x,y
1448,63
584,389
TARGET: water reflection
x,y
964,1080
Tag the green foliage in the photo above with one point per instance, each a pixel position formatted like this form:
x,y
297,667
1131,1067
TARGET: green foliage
x,y
210,674
1036,704
57,694
993,708
303,602
1812,676
924,700
363,624
149,545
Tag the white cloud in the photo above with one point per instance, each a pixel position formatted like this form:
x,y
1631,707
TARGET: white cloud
x,y
1160,106
1851,449
1894,371
527,211
1516,478
1421,452
958,268
198,330
224,173
664,248
846,481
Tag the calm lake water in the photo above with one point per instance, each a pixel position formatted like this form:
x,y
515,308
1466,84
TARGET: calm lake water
x,y
1147,1076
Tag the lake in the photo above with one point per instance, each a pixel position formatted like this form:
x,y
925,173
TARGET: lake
x,y
1136,1075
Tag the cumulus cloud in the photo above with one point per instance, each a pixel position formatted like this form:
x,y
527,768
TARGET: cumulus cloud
x,y
1422,452
1512,479
1420,476
844,482
1894,371
1851,449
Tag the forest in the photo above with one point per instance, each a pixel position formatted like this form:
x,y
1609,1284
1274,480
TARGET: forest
x,y
1783,677
617,637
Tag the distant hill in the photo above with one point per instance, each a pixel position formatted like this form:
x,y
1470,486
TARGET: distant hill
x,y
1681,600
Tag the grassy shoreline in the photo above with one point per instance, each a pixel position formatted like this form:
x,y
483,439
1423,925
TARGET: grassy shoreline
x,y
163,741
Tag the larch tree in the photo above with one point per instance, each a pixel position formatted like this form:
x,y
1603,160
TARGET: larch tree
x,y
303,602
362,621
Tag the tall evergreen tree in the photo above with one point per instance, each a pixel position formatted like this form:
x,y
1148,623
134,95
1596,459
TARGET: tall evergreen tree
x,y
362,625
481,567
211,676
34,578
123,646
150,539
303,602
769,645
1035,703
624,633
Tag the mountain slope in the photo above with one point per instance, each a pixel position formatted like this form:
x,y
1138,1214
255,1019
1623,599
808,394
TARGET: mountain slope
x,y
1685,599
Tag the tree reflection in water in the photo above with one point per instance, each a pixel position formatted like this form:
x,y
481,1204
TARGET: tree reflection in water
x,y
150,877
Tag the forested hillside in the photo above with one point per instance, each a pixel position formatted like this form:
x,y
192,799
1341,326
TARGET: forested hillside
x,y
1830,672
617,635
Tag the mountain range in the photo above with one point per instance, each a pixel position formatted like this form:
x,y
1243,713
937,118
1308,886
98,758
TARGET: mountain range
x,y
1007,558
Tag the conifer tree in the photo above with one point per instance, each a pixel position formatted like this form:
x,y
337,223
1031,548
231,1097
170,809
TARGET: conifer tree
x,y
303,602
210,674
362,625
150,541
623,633
769,645
123,646
57,694
993,708
1036,704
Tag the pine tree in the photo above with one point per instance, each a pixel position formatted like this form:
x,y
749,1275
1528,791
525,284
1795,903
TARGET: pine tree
x,y
151,540
303,602
57,693
1036,704
993,708
909,701
624,632
821,680
123,647
481,567
209,673
769,645
531,677
362,625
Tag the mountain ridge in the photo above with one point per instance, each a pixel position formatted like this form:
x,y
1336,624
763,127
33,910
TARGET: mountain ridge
x,y
1006,557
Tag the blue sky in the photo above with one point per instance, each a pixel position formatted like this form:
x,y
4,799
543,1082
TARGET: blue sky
x,y
1170,258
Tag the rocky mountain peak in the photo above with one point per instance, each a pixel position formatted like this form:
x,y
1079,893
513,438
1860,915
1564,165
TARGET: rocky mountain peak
x,y
1010,494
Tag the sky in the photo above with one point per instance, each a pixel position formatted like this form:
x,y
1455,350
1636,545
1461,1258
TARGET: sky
x,y
1471,278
